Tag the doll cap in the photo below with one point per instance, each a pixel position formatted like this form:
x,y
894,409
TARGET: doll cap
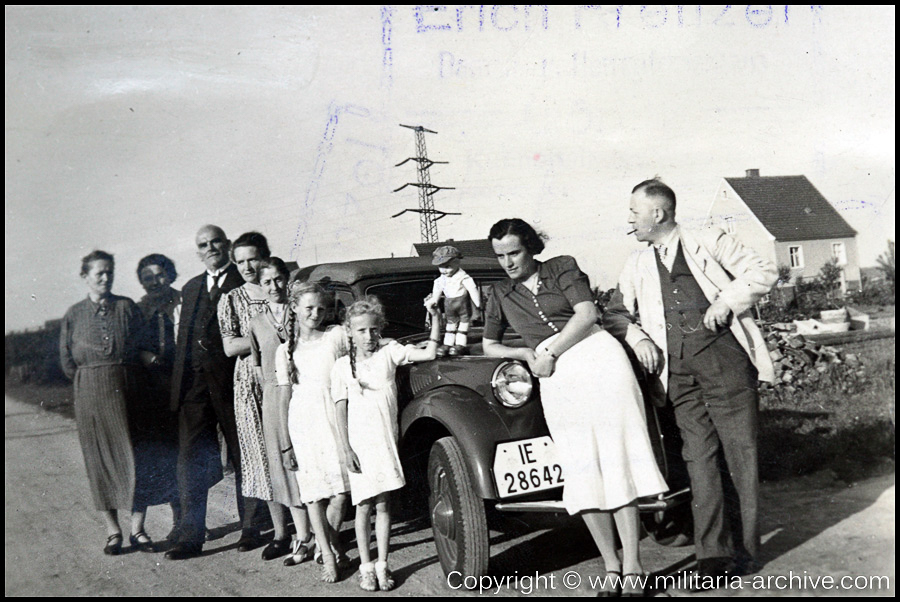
x,y
444,254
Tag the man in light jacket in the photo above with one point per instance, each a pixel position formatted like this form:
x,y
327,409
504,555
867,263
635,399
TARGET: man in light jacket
x,y
693,291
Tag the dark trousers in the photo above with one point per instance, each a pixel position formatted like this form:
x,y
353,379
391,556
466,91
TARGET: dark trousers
x,y
714,394
209,400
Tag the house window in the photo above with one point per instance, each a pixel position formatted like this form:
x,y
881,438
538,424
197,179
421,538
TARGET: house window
x,y
729,224
839,252
796,254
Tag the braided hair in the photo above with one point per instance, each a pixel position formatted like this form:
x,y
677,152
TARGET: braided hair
x,y
369,305
296,290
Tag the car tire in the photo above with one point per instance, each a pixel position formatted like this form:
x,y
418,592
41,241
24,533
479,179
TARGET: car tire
x,y
457,513
672,528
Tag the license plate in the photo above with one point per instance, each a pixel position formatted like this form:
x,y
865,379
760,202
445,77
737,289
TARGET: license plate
x,y
526,466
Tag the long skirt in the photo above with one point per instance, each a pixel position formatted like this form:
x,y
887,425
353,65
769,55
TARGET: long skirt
x,y
102,418
595,412
284,482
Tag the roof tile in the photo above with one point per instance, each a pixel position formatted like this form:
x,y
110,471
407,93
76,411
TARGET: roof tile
x,y
791,208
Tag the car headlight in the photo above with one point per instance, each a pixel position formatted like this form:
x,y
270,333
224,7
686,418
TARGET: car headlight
x,y
512,384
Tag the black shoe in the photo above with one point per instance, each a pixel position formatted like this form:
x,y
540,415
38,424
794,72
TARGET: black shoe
x,y
113,545
141,541
442,350
249,540
183,551
276,549
457,350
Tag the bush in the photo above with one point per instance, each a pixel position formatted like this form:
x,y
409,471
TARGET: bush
x,y
874,293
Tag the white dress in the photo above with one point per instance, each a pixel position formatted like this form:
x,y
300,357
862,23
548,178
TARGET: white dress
x,y
311,415
372,418
594,409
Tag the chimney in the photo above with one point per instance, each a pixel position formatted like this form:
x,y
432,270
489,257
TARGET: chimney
x,y
752,173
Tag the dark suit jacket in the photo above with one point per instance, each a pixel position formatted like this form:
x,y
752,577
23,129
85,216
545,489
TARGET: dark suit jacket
x,y
188,329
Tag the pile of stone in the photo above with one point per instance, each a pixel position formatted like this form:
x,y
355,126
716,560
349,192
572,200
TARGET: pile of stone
x,y
803,363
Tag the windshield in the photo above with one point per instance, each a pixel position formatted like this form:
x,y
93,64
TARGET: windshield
x,y
404,304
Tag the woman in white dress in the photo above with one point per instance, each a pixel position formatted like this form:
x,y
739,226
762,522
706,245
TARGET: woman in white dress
x,y
591,399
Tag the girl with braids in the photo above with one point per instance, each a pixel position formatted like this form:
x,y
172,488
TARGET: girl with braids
x,y
307,358
269,330
365,391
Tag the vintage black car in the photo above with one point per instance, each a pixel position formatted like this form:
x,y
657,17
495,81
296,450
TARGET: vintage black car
x,y
472,429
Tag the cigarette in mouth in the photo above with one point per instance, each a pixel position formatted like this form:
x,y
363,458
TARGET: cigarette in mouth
x,y
630,232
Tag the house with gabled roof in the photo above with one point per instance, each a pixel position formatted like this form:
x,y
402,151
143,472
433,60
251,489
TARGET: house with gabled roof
x,y
788,221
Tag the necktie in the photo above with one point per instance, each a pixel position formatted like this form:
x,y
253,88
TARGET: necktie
x,y
214,291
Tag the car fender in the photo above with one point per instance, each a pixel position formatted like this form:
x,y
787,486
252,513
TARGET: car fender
x,y
453,406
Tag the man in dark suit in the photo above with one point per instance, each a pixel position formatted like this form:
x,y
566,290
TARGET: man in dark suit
x,y
693,290
203,391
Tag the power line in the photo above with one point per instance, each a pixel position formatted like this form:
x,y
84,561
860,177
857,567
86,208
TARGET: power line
x,y
428,215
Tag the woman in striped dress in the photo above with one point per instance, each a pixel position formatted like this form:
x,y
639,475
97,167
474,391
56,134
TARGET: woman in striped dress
x,y
101,344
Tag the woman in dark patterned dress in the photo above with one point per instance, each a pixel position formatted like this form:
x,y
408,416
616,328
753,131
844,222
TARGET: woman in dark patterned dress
x,y
236,309
154,426
101,345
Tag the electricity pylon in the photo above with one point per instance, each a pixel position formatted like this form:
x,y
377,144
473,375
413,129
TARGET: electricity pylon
x,y
428,215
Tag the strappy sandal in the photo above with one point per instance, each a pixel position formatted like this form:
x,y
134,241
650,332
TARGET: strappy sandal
x,y
141,541
385,579
301,551
113,545
613,578
329,568
367,579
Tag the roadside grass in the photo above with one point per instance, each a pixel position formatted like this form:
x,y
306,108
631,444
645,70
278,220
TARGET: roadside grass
x,y
57,398
844,422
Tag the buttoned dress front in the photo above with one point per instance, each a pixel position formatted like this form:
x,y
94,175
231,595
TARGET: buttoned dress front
x,y
592,403
266,336
99,352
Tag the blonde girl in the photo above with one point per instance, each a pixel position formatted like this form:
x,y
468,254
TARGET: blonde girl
x,y
365,391
309,356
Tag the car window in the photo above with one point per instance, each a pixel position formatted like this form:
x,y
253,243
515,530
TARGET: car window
x,y
403,305
343,298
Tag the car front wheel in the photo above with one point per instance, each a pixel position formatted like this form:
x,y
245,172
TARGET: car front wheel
x,y
457,513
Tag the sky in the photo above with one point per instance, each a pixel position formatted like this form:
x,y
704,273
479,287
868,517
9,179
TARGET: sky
x,y
128,128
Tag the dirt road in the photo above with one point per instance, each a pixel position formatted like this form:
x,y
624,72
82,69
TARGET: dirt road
x,y
813,527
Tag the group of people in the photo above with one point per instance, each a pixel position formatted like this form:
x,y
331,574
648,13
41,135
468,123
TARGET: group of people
x,y
309,413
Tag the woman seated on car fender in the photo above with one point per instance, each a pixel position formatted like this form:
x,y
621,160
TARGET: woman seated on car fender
x,y
591,399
